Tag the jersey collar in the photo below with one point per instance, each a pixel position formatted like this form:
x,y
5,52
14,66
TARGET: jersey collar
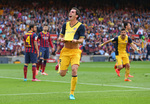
x,y
44,32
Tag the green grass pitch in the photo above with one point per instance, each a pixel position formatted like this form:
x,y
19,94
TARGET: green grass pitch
x,y
97,84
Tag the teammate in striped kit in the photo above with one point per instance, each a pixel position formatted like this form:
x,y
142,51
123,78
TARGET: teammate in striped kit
x,y
31,51
45,41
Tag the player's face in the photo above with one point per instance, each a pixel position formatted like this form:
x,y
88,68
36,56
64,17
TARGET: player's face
x,y
129,26
123,34
45,28
72,14
34,29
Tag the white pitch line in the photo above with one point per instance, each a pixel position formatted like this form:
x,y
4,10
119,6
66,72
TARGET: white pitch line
x,y
143,88
67,92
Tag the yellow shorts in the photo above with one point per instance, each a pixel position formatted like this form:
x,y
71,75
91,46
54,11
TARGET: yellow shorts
x,y
124,58
68,56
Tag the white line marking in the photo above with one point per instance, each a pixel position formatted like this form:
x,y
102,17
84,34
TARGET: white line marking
x,y
67,92
86,83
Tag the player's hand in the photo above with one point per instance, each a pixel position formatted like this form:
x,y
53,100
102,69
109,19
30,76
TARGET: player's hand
x,y
56,52
100,46
53,49
74,41
61,39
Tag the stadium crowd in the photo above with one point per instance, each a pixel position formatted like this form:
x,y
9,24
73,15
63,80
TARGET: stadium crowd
x,y
101,25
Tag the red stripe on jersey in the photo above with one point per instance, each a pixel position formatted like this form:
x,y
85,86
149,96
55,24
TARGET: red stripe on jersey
x,y
44,40
25,41
41,40
32,43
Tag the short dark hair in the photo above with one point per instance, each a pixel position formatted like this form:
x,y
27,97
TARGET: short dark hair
x,y
123,29
31,26
125,24
77,11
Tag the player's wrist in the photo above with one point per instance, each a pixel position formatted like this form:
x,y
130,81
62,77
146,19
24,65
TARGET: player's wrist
x,y
102,44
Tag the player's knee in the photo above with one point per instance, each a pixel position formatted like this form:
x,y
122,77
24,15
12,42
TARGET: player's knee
x,y
34,64
120,67
74,70
127,65
26,64
62,73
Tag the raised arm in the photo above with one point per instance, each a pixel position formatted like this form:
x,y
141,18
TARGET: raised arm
x,y
135,48
111,40
138,44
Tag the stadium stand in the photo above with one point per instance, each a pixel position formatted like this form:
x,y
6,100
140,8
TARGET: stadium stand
x,y
102,22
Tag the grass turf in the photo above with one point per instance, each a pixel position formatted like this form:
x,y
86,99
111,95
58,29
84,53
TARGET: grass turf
x,y
97,84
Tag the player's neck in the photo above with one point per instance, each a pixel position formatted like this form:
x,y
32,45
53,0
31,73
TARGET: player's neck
x,y
73,22
123,38
45,32
127,30
31,30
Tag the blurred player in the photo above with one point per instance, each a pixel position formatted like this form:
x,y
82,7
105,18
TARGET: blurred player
x,y
127,26
60,45
31,51
72,35
45,41
121,53
38,65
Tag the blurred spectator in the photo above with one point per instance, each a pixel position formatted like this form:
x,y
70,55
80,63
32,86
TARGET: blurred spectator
x,y
102,22
148,50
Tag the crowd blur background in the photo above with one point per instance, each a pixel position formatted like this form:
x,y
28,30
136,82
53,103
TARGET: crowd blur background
x,y
103,20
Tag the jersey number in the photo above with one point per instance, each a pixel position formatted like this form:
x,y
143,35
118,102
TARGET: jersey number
x,y
28,40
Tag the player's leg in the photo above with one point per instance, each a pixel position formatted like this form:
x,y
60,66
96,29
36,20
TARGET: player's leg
x,y
75,62
25,71
119,65
38,65
63,65
126,62
33,58
42,52
27,60
73,81
43,67
46,56
129,54
39,62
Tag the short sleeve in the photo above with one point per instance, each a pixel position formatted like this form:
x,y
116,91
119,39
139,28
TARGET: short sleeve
x,y
114,39
129,40
82,31
62,32
35,37
39,36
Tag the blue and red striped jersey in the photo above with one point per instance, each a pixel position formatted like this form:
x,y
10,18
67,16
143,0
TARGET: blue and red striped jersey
x,y
29,39
45,39
127,32
128,45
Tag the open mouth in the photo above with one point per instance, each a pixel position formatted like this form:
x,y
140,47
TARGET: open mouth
x,y
70,16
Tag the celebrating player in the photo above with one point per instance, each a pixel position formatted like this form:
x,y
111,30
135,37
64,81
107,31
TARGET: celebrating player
x,y
45,41
72,35
121,53
31,51
127,26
